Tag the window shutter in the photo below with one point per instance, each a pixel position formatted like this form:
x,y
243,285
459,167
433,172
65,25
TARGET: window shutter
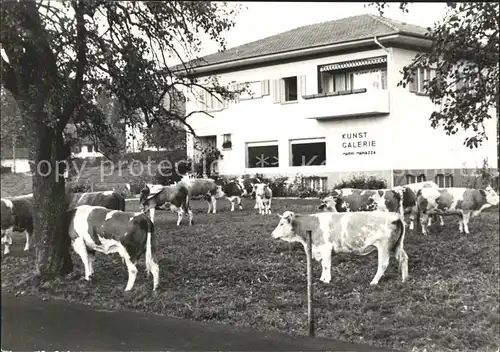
x,y
413,85
276,91
264,87
302,85
282,90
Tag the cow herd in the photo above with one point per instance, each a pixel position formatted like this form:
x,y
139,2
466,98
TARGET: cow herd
x,y
352,221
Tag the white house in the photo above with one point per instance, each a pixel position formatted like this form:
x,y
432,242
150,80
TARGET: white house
x,y
17,159
326,103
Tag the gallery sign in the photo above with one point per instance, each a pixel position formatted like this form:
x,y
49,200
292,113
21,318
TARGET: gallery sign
x,y
358,143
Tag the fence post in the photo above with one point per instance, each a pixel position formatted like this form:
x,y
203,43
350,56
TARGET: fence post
x,y
310,311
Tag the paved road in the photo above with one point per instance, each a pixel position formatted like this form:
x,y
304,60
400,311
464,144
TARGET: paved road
x,y
29,323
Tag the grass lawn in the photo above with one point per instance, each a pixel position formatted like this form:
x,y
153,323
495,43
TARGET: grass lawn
x,y
15,184
226,268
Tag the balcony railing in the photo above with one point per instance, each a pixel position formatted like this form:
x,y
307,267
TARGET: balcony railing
x,y
351,103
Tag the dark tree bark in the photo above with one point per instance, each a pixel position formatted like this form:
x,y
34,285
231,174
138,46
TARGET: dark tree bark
x,y
52,242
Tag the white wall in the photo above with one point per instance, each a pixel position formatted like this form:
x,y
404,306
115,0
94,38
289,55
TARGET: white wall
x,y
260,119
404,138
425,147
22,165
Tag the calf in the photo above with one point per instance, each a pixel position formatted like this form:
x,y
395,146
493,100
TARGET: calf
x,y
352,200
463,202
177,196
359,233
205,187
17,215
94,228
408,195
263,196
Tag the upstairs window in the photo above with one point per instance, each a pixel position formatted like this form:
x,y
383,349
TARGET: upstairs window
x,y
369,74
420,77
254,90
290,91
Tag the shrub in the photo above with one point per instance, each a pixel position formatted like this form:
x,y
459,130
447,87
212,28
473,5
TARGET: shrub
x,y
79,187
299,188
279,186
205,164
362,182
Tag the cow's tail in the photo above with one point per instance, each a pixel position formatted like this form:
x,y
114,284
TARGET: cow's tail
x,y
150,246
397,248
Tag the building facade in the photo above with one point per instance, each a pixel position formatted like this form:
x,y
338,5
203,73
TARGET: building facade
x,y
326,103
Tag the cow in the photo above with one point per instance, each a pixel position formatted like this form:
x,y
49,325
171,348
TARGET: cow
x,y
408,195
98,229
16,216
358,233
263,196
19,217
108,199
354,200
233,191
205,187
177,197
464,202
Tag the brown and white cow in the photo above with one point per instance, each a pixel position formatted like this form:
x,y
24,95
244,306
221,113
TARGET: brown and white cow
x,y
263,197
108,199
358,233
17,215
17,211
352,200
464,202
175,196
409,199
233,191
206,188
98,229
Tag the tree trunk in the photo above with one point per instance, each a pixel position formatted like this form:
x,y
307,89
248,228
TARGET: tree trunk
x,y
52,242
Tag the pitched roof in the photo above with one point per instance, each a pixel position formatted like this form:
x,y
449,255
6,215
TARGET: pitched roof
x,y
315,35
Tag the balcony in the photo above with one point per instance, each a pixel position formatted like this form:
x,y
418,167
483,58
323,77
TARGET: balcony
x,y
351,103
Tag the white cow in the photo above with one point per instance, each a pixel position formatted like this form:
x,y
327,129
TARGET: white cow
x,y
358,233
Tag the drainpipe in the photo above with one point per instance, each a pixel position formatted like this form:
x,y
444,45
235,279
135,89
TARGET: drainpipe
x,y
375,40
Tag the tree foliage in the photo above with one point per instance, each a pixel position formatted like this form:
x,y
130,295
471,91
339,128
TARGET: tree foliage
x,y
465,55
57,57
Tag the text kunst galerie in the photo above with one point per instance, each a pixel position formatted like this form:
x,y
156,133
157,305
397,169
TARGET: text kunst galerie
x,y
357,143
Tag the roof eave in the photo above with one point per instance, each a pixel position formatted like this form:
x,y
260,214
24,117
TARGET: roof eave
x,y
417,41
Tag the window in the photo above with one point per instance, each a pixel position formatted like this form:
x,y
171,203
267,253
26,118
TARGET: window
x,y
226,141
374,79
444,181
264,154
421,178
90,148
308,152
290,88
420,77
212,102
315,183
410,179
254,90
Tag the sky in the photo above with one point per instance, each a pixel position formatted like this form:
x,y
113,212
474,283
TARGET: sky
x,y
259,20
